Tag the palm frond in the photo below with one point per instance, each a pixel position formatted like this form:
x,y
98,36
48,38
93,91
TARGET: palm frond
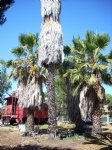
x,y
102,40
109,56
28,40
10,75
90,37
103,67
78,44
106,78
9,63
18,52
103,59
67,50
92,80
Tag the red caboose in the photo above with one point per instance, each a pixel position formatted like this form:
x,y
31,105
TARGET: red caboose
x,y
14,114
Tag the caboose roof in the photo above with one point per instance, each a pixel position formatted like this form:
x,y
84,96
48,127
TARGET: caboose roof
x,y
10,98
13,96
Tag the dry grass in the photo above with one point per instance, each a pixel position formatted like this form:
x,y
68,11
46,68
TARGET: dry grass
x,y
10,138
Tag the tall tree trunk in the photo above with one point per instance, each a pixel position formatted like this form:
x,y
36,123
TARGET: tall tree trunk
x,y
51,101
30,120
40,81
98,97
79,122
96,129
74,112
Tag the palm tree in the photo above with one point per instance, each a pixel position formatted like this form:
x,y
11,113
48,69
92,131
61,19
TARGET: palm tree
x,y
75,111
26,71
51,51
91,69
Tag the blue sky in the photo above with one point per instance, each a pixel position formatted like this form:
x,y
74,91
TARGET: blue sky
x,y
77,16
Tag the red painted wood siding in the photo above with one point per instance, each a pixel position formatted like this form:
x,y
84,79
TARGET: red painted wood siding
x,y
39,114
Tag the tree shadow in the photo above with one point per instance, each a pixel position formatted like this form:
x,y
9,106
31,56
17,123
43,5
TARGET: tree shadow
x,y
106,148
31,147
106,139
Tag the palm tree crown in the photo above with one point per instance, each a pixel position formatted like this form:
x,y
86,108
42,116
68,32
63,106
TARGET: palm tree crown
x,y
26,71
51,44
87,63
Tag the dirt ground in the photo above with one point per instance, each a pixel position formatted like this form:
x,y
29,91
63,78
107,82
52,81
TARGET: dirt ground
x,y
11,139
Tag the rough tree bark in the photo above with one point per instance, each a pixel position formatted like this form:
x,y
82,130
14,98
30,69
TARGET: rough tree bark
x,y
51,101
30,120
98,97
96,129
